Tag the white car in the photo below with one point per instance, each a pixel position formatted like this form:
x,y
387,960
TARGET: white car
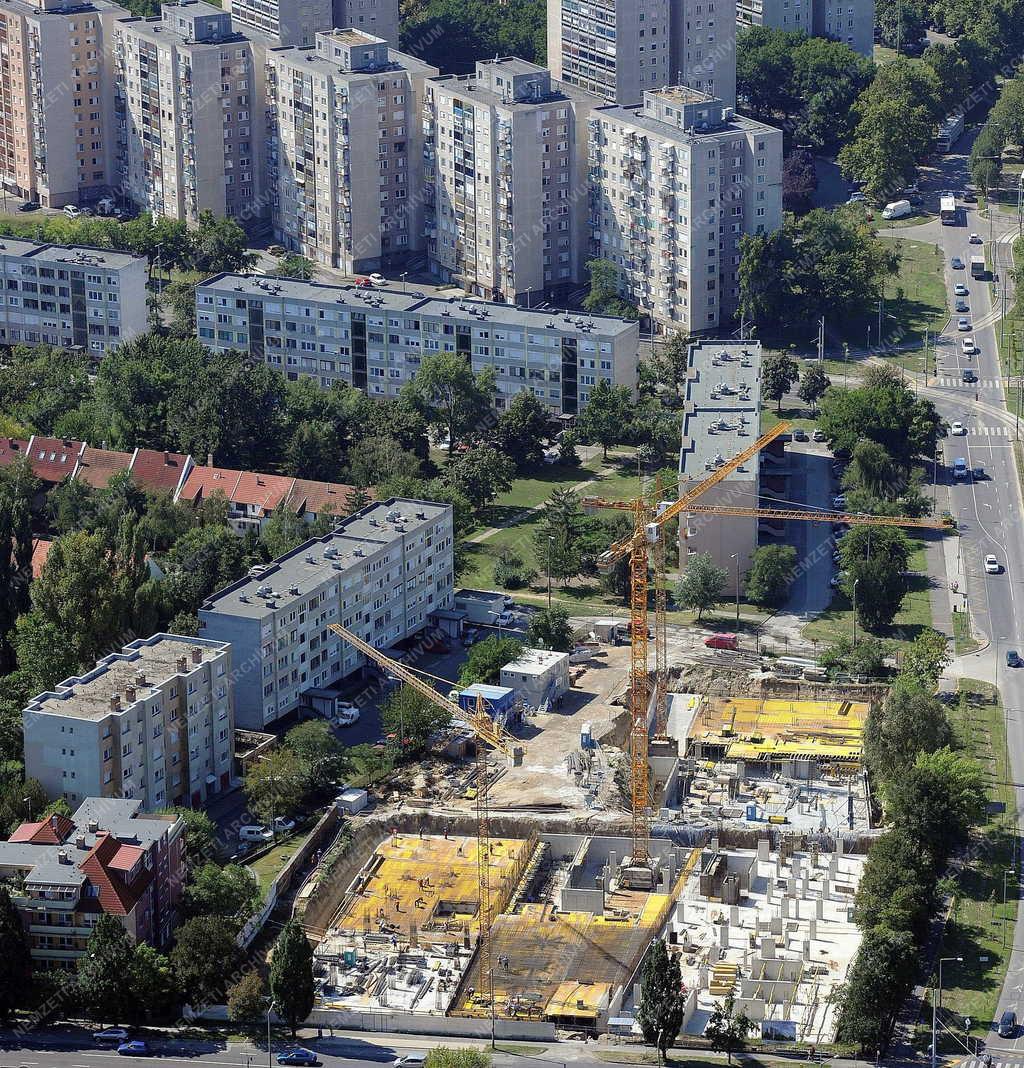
x,y
254,832
961,290
552,457
963,323
283,825
506,619
968,346
957,428
410,1060
345,717
839,500
975,239
378,279
992,565
111,1034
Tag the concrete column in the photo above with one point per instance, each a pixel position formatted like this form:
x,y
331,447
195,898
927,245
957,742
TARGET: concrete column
x,y
819,907
681,910
812,927
796,864
768,948
723,935
612,861
807,949
776,925
826,887
785,907
833,865
734,914
763,848
715,846
791,887
804,883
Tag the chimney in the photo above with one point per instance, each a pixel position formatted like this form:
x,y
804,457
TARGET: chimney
x,y
115,702
209,459
140,679
197,654
167,458
80,841
94,826
62,857
53,822
182,663
129,694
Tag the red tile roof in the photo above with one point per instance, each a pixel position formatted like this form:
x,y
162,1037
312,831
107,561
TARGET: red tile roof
x,y
264,491
40,551
116,894
12,449
52,831
321,498
98,466
126,858
52,459
204,482
152,470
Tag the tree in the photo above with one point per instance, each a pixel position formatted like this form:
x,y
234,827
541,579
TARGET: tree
x,y
926,657
876,559
275,785
153,982
179,298
900,25
246,1000
522,429
701,584
605,414
16,959
314,451
664,372
450,397
486,659
567,453
897,886
909,721
479,474
283,531
200,833
511,572
291,975
799,181
412,718
549,628
866,658
104,980
230,892
466,1057
17,488
813,383
376,461
322,755
219,244
604,297
293,266
660,1011
728,1029
560,536
771,573
204,955
892,134
778,373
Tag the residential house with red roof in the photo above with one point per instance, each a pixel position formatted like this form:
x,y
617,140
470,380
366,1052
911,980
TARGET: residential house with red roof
x,y
11,450
312,499
160,472
54,459
98,466
109,858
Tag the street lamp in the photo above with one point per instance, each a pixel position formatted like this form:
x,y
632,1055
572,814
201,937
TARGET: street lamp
x,y
28,801
1007,871
856,583
736,557
935,1004
551,542
270,1059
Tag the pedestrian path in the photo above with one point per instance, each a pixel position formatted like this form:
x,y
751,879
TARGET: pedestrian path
x,y
985,432
944,382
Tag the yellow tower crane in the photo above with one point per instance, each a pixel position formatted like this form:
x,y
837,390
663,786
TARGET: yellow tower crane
x,y
486,731
650,519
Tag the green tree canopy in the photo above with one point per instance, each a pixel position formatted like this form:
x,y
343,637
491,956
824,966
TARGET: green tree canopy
x,y
291,975
660,1011
605,415
549,628
16,959
275,785
485,659
450,397
909,721
203,958
701,584
412,718
771,573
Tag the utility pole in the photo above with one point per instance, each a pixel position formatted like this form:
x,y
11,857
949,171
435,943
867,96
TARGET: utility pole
x,y
881,310
821,339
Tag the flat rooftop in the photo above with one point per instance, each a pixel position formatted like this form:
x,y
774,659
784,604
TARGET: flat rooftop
x,y
306,57
722,414
635,116
73,255
536,661
353,542
386,299
88,696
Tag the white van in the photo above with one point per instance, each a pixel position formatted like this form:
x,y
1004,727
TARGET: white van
x,y
897,209
254,833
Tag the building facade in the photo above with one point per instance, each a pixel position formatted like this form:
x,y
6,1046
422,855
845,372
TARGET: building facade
x,y
71,296
375,339
849,21
297,22
190,104
675,184
505,152
108,858
154,722
380,574
346,155
57,128
620,49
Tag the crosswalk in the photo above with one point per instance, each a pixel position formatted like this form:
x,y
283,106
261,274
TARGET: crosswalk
x,y
1000,1059
943,382
990,431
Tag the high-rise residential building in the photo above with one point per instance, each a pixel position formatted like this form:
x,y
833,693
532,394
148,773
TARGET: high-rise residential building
x,y
379,18
70,296
190,103
153,722
56,102
346,158
675,184
297,22
381,574
849,21
505,164
619,49
109,858
375,339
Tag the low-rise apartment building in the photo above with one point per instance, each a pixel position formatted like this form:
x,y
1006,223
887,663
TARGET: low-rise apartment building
x,y
154,722
108,858
346,155
191,110
70,296
57,135
849,21
506,163
675,184
380,574
375,339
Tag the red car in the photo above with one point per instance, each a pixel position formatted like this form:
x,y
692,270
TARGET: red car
x,y
364,283
722,641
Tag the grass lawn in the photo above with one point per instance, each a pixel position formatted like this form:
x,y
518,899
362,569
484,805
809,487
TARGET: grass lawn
x,y
690,1058
963,640
1011,352
269,866
981,928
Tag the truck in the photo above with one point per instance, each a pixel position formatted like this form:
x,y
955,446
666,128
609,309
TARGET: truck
x,y
949,131
959,467
978,269
897,209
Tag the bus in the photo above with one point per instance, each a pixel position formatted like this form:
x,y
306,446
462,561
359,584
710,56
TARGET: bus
x,y
978,269
949,132
947,211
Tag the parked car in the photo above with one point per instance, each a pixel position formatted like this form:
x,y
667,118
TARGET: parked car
x,y
410,1060
960,289
72,212
506,619
975,239
799,434
956,263
839,500
722,641
297,1056
254,832
817,435
363,283
1008,1024
378,279
957,428
552,457
136,1048
992,565
978,473
29,205
963,323
470,635
1013,658
283,825
111,1034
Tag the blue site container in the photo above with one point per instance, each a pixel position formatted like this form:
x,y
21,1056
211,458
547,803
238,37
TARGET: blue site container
x,y
498,700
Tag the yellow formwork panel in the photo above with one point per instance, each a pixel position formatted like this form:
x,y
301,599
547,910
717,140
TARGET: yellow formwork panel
x,y
428,884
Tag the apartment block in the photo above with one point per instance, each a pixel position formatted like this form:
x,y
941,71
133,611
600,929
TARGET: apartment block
x,y
505,152
849,21
154,722
297,22
381,574
190,105
109,858
70,296
56,104
675,184
375,339
619,49
346,150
